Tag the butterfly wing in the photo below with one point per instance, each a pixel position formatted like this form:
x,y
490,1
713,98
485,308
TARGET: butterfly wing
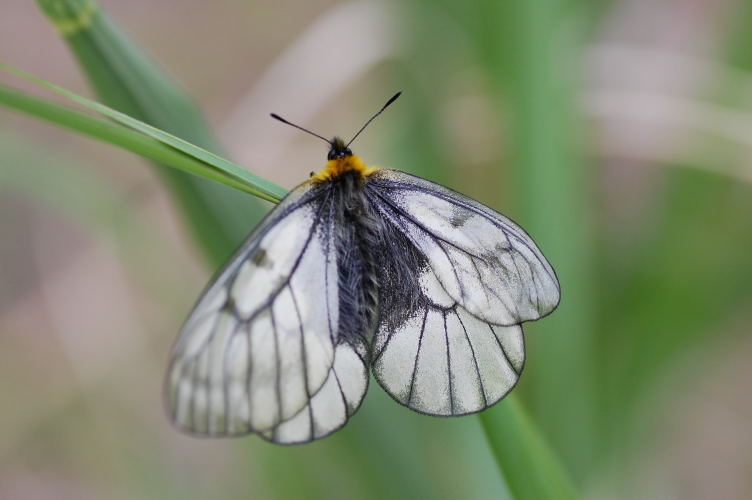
x,y
449,341
333,405
260,343
483,260
433,356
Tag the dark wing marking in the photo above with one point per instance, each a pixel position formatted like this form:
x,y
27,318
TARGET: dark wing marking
x,y
259,345
483,260
333,405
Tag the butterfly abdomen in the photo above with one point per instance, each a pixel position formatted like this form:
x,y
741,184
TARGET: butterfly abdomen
x,y
357,240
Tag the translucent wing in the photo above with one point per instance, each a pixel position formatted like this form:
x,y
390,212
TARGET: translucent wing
x,y
332,406
449,340
482,259
260,343
442,360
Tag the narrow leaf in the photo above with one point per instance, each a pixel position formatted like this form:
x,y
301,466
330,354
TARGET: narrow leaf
x,y
528,465
261,187
124,137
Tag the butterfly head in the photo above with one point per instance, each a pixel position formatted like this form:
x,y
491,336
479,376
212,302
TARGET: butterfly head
x,y
341,161
338,149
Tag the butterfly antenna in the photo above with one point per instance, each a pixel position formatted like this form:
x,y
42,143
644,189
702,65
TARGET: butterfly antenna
x,y
277,117
394,98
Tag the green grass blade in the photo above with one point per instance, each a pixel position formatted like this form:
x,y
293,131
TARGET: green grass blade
x,y
530,468
537,71
220,167
123,137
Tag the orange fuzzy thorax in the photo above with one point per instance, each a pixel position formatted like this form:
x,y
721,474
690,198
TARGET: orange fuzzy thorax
x,y
338,166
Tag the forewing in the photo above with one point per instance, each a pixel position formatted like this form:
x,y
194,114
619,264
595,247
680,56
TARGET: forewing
x,y
440,359
333,405
482,259
260,342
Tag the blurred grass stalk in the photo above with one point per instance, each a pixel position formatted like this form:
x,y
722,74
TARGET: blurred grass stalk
x,y
137,137
529,466
538,61
125,79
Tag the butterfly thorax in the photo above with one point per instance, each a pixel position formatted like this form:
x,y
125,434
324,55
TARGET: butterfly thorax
x,y
341,165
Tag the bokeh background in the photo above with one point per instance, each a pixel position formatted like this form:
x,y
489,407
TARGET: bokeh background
x,y
618,133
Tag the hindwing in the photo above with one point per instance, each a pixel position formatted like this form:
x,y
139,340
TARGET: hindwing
x,y
458,279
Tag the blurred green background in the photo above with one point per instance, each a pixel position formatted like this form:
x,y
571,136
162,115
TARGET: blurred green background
x,y
619,134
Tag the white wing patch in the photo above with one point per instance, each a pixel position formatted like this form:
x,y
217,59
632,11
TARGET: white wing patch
x,y
332,406
259,345
445,361
482,259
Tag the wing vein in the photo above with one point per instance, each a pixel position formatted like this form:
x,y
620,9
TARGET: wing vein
x,y
475,361
304,354
402,212
194,375
278,372
294,268
225,385
499,223
449,365
417,357
341,392
503,350
249,372
326,270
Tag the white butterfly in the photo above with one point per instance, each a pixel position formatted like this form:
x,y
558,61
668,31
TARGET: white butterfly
x,y
359,268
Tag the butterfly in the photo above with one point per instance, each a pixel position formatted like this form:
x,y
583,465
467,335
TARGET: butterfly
x,y
359,269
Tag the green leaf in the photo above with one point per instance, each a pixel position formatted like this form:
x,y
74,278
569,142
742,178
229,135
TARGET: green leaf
x,y
215,166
